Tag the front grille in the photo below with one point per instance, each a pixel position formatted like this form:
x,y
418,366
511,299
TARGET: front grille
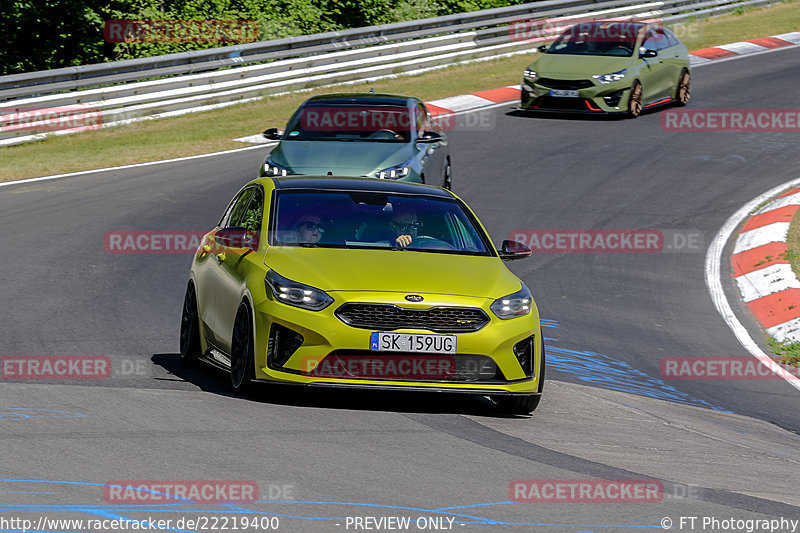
x,y
395,366
564,84
388,317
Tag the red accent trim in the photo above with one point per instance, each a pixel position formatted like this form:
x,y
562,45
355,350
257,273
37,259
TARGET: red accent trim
x,y
771,42
790,192
774,309
658,102
756,258
713,53
504,94
591,106
782,214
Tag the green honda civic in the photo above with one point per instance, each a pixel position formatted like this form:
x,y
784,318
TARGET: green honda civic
x,y
608,67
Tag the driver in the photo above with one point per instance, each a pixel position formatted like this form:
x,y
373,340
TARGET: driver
x,y
405,225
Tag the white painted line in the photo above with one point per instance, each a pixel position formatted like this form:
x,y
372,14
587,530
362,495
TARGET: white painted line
x,y
463,102
135,165
256,139
775,232
793,199
766,281
792,37
714,281
742,47
786,332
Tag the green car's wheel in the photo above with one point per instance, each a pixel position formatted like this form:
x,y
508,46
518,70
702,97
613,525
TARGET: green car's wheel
x,y
190,324
242,351
448,176
682,93
635,101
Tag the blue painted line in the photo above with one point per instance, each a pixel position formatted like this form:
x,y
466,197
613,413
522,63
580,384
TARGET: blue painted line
x,y
24,492
32,413
474,505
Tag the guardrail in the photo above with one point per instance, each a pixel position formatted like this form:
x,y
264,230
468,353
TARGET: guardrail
x,y
121,92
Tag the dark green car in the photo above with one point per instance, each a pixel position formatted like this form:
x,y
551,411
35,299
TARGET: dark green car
x,y
364,135
608,67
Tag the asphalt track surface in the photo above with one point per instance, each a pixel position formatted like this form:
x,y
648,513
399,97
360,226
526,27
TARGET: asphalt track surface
x,y
723,449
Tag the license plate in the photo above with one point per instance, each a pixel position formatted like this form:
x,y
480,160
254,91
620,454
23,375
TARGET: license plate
x,y
564,93
412,342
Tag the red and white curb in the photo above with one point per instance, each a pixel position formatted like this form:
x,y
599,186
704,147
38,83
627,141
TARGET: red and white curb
x,y
754,46
765,279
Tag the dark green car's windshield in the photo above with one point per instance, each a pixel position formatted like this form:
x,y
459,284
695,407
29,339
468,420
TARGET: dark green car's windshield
x,y
353,122
598,39
366,219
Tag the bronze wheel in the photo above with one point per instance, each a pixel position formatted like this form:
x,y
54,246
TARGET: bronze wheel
x,y
635,102
682,94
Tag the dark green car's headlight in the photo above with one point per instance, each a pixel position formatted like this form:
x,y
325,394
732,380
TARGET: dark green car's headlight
x,y
529,75
272,169
611,77
395,172
513,305
297,294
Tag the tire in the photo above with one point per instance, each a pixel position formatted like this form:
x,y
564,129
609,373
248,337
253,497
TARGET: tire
x,y
635,100
242,348
682,92
447,181
523,405
190,327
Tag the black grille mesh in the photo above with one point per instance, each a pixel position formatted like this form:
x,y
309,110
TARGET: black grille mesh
x,y
387,317
564,84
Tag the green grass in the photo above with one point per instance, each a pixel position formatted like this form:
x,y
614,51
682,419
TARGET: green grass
x,y
214,130
789,352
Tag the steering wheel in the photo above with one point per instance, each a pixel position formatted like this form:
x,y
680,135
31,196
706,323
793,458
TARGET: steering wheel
x,y
394,134
423,241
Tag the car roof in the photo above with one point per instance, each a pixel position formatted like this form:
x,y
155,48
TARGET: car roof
x,y
361,98
337,183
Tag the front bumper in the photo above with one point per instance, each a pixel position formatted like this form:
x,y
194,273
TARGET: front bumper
x,y
324,335
597,99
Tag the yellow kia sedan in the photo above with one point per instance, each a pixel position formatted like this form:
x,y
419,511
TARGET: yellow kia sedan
x,y
362,282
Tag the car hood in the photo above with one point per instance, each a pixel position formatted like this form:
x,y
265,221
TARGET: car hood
x,y
336,269
340,158
565,66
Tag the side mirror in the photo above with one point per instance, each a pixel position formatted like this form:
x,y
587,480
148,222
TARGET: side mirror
x,y
648,53
237,238
272,134
511,250
430,137
542,48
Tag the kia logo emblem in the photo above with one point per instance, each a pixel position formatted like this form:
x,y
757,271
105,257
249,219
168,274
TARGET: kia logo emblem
x,y
414,298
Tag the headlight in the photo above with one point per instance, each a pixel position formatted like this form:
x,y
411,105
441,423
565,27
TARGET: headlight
x,y
272,169
513,305
612,77
296,294
529,74
395,172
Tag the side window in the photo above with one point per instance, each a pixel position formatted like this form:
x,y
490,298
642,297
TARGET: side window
x,y
239,205
254,212
423,119
656,40
671,39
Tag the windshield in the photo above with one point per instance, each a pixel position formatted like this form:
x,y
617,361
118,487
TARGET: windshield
x,y
598,39
353,122
340,219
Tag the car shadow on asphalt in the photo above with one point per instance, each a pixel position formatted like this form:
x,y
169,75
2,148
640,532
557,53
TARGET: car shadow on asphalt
x,y
215,381
583,117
